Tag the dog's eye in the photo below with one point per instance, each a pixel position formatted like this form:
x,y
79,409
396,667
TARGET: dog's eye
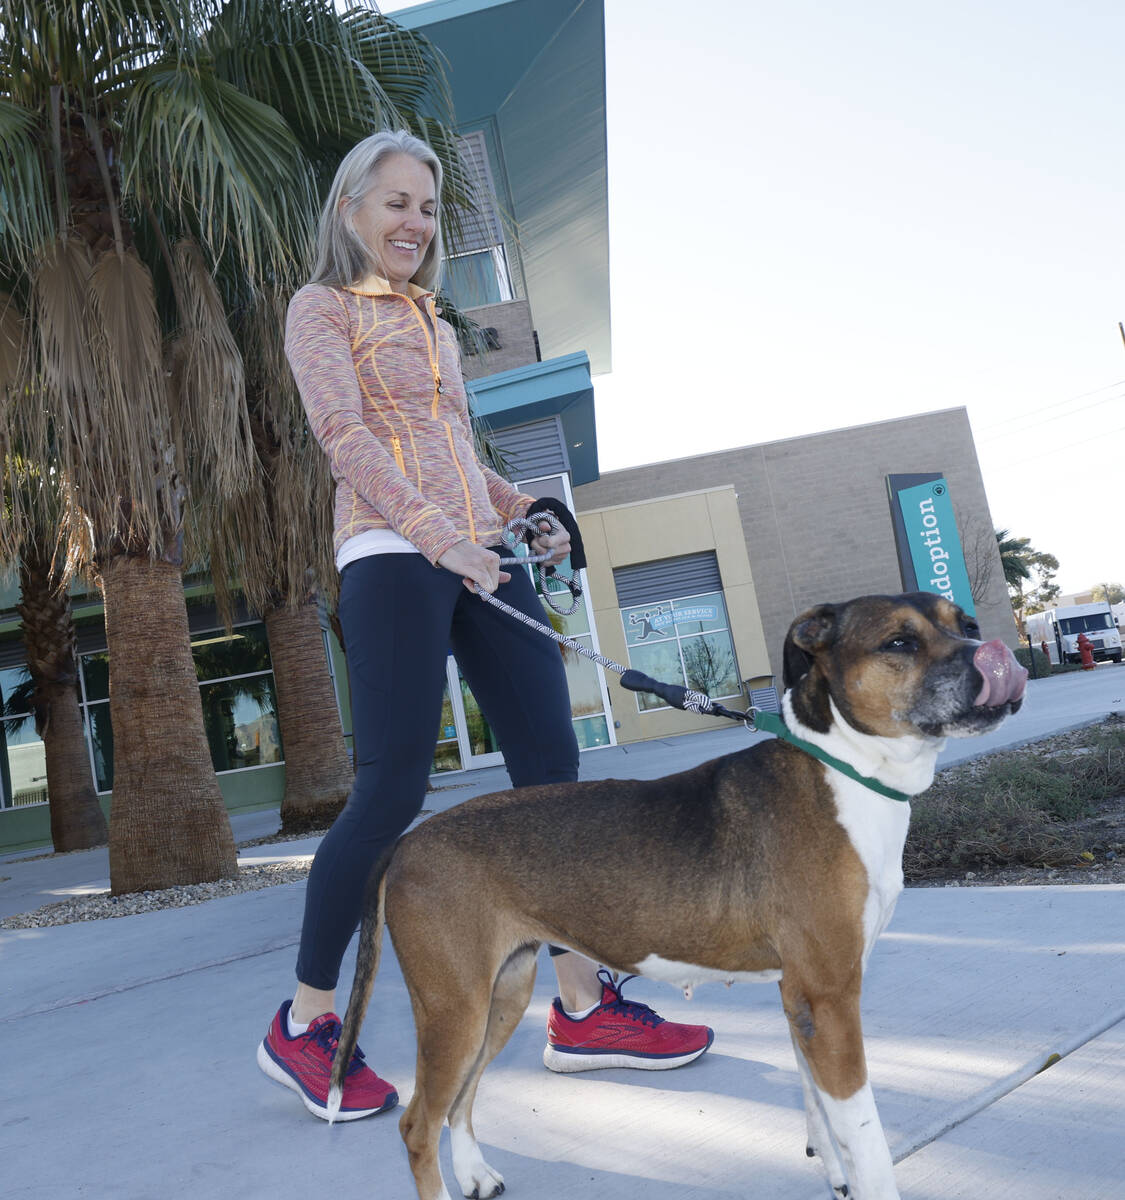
x,y
902,643
972,630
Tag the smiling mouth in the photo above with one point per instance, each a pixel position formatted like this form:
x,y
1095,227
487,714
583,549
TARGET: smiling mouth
x,y
410,247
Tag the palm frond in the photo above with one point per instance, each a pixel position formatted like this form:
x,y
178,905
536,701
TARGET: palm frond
x,y
13,349
125,487
299,58
209,380
410,69
26,485
25,206
221,161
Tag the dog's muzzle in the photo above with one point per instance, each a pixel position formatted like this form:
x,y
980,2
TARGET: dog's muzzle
x,y
1003,680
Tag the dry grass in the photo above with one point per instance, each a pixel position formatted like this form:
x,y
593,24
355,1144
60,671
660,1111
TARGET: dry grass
x,y
1031,807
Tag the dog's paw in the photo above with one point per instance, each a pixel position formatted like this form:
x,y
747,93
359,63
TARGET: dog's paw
x,y
477,1179
491,1184
833,1167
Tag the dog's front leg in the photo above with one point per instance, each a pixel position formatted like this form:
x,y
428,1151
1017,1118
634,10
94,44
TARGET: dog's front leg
x,y
827,1033
820,1143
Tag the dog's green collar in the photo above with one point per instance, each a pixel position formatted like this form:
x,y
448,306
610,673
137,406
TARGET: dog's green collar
x,y
772,723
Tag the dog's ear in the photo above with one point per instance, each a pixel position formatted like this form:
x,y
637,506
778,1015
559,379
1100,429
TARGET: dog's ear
x,y
810,634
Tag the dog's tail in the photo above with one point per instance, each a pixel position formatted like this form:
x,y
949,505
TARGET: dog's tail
x,y
366,968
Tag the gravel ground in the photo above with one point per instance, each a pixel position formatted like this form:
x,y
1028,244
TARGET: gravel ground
x,y
100,905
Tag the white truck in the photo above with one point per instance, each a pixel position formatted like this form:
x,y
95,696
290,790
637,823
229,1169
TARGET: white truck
x,y
1060,627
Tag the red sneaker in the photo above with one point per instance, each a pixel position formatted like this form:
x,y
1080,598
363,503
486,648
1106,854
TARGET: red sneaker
x,y
304,1063
620,1033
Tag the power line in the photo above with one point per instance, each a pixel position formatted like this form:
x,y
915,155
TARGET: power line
x,y
1056,404
1054,450
1047,420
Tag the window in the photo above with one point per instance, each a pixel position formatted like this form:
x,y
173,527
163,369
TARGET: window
x,y
1087,623
682,639
587,704
23,761
236,691
479,273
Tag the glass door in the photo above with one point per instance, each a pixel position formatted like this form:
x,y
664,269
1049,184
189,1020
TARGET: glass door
x,y
479,747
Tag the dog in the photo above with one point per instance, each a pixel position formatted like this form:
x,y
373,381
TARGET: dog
x,y
766,864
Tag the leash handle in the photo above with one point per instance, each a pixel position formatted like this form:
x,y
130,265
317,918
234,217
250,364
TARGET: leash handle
x,y
678,696
525,528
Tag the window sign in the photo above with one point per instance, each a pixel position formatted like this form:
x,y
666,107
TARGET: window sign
x,y
684,640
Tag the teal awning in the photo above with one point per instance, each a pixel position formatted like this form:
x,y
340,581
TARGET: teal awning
x,y
558,387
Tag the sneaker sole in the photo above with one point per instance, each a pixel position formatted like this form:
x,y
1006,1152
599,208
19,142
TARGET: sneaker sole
x,y
280,1075
567,1063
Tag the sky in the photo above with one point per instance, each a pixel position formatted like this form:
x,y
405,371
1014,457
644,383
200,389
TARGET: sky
x,y
851,213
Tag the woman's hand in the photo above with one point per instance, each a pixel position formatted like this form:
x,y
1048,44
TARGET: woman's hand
x,y
475,565
555,544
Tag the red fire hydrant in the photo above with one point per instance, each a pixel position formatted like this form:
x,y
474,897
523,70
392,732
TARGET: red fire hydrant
x,y
1086,650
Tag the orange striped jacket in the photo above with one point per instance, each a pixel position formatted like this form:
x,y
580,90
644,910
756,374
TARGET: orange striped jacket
x,y
386,401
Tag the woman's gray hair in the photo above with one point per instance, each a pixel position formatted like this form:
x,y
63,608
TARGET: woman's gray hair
x,y
342,257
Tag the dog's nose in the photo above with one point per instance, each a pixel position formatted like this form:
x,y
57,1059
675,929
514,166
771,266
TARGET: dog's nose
x,y
1004,680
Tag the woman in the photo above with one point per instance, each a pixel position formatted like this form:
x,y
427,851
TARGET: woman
x,y
417,527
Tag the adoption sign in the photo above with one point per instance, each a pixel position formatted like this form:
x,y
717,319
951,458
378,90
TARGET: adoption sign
x,y
929,545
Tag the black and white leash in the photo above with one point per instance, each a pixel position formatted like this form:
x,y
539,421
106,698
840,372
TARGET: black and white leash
x,y
674,694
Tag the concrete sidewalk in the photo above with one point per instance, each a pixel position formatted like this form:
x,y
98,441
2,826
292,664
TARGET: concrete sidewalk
x,y
128,1070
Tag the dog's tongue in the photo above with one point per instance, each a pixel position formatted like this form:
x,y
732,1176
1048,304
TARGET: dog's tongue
x,y
1004,679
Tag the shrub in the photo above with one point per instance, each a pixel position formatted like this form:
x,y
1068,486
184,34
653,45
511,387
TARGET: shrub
x,y
1017,808
1043,667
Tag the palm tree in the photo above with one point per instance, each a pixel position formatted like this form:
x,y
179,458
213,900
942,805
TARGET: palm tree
x,y
146,145
1013,557
77,821
31,503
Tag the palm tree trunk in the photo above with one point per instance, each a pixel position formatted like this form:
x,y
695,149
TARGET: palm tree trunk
x,y
77,821
318,771
168,824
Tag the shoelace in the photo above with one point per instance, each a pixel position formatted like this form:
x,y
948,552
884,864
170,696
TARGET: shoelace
x,y
628,1008
327,1036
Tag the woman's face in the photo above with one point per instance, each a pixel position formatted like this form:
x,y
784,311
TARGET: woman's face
x,y
397,218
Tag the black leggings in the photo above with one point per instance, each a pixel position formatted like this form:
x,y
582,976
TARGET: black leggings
x,y
400,617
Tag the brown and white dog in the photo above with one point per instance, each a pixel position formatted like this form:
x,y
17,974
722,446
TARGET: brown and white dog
x,y
766,864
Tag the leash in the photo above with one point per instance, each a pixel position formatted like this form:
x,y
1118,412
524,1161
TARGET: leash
x,y
529,526
675,694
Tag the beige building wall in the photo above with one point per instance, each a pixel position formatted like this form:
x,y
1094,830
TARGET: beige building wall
x,y
815,516
642,531
512,322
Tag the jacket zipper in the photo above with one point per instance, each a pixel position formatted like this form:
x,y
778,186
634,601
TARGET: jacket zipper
x,y
396,443
433,352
